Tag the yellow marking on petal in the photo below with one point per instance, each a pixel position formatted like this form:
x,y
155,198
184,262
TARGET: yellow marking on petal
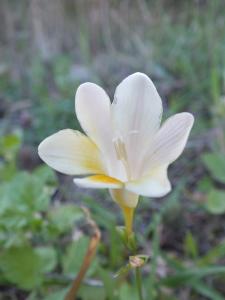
x,y
105,179
93,161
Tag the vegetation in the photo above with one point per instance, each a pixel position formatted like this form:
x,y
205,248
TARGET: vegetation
x,y
44,231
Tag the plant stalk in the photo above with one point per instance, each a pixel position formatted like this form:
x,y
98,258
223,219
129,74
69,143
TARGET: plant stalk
x,y
128,218
139,283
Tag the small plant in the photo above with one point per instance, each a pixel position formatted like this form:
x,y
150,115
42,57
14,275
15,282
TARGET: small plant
x,y
125,149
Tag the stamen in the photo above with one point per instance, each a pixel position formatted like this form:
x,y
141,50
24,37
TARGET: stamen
x,y
121,154
120,149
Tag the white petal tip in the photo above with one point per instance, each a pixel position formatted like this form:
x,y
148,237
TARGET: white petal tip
x,y
86,85
138,77
188,117
88,90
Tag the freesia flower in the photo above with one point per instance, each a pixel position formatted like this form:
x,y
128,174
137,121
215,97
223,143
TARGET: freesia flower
x,y
124,149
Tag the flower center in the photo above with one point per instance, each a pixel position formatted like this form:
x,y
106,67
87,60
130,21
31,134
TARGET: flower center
x,y
121,154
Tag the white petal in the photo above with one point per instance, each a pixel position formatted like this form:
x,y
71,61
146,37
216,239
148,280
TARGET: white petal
x,y
169,142
92,106
93,110
136,112
155,185
70,152
98,181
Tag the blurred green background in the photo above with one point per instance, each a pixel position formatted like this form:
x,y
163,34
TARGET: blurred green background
x,y
48,48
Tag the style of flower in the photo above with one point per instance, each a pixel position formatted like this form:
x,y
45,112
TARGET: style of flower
x,y
124,149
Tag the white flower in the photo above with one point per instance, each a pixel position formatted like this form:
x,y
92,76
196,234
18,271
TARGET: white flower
x,y
125,149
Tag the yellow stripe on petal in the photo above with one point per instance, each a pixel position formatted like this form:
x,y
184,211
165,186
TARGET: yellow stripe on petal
x,y
99,181
105,179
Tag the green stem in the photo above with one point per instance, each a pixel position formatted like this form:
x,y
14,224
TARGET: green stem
x,y
128,217
131,244
155,251
139,283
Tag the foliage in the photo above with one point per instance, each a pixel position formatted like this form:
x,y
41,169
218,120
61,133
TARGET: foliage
x,y
215,163
43,237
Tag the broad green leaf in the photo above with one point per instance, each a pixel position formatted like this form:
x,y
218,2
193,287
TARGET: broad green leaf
x,y
22,201
26,192
92,293
48,258
9,144
215,163
45,174
7,171
73,258
21,266
216,202
58,295
64,216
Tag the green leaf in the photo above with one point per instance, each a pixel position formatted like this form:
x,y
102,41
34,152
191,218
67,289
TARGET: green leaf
x,y
190,245
7,171
127,291
188,276
63,217
58,295
22,266
213,255
215,163
205,184
91,293
216,202
45,174
9,144
109,283
74,256
207,291
27,192
105,217
116,248
48,258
